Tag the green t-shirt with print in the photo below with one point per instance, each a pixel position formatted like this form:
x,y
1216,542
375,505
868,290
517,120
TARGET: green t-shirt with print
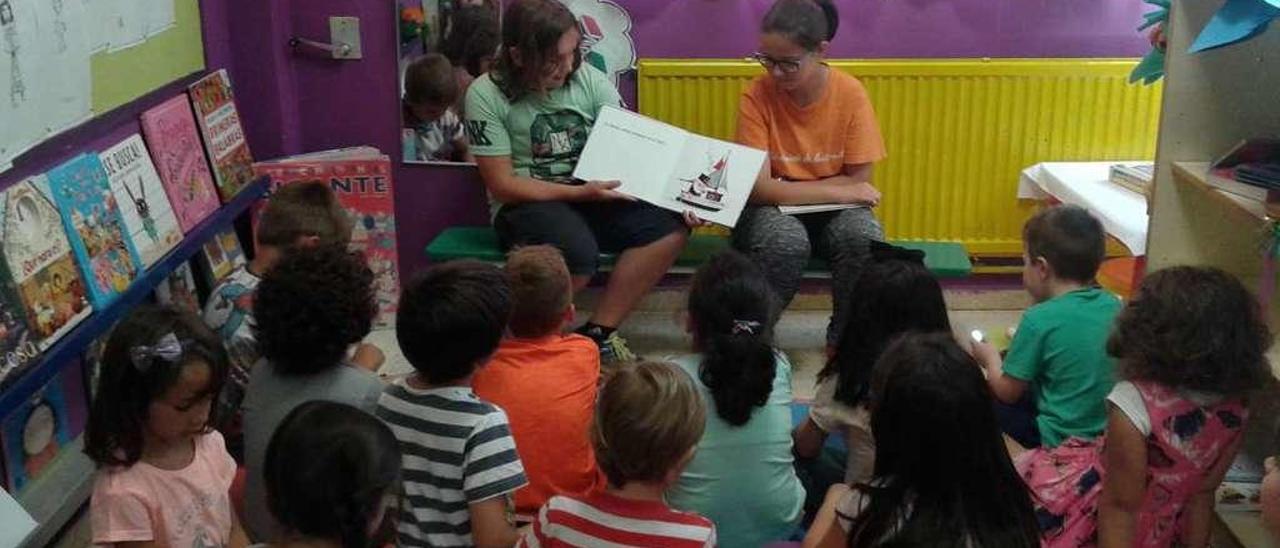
x,y
1060,349
543,133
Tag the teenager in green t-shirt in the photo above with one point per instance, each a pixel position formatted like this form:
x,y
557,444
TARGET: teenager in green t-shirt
x,y
1059,351
528,120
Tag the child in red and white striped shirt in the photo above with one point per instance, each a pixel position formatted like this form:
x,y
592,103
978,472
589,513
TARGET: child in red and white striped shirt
x,y
648,421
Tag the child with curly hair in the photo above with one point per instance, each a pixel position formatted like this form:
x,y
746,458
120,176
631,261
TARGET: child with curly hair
x,y
311,309
1190,348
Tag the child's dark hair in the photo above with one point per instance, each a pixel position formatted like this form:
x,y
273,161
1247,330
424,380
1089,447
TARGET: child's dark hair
x,y
1193,328
429,80
808,23
311,307
944,477
541,290
473,38
895,294
1069,238
451,317
303,209
534,28
648,417
328,469
731,310
132,376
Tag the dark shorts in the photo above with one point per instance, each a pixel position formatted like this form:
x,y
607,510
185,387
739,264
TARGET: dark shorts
x,y
584,230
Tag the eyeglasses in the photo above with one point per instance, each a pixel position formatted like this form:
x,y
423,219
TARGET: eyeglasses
x,y
787,66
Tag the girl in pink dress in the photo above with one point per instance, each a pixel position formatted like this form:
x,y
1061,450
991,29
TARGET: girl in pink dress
x,y
1189,349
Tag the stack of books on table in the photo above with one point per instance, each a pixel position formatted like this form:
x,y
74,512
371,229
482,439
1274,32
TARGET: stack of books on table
x,y
1135,177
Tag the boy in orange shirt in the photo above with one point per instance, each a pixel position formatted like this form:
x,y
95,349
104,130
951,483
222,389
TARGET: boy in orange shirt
x,y
545,380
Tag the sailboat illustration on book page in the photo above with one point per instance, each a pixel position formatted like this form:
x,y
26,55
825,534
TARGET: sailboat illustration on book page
x,y
707,190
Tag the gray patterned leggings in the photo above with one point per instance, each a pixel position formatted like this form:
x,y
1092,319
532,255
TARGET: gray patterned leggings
x,y
782,245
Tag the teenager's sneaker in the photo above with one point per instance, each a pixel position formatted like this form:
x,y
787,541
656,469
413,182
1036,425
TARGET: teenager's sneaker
x,y
613,349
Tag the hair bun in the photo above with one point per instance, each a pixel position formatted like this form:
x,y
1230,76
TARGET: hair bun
x,y
833,17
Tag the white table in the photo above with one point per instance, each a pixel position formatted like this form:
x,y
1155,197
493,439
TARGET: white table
x,y
1123,212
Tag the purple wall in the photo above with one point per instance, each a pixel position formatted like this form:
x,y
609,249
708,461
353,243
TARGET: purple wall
x,y
294,102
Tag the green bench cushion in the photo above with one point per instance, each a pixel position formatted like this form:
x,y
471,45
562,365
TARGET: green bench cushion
x,y
944,259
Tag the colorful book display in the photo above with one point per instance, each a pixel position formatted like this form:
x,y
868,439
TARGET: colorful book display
x,y
92,220
170,130
33,433
38,255
17,340
221,255
224,140
362,183
179,290
148,217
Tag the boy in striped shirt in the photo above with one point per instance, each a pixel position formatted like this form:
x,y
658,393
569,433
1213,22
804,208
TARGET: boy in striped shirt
x,y
648,422
460,461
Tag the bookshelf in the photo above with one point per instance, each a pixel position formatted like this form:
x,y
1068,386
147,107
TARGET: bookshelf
x,y
1213,100
57,495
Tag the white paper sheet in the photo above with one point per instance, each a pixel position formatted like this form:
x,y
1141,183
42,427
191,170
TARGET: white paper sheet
x,y
160,16
98,33
19,70
15,522
62,42
128,22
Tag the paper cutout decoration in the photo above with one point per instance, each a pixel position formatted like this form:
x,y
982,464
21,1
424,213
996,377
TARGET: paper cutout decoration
x,y
1236,21
1151,68
606,36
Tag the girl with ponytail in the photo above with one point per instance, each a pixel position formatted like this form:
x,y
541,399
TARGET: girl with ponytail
x,y
332,475
742,475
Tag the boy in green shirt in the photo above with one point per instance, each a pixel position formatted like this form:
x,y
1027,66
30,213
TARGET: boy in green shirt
x,y
1059,350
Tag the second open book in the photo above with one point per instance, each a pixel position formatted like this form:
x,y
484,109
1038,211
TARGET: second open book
x,y
670,167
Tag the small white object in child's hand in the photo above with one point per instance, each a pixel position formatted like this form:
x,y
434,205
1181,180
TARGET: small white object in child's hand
x,y
978,336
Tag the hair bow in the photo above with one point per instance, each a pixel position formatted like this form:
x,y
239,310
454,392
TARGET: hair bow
x,y
745,326
168,348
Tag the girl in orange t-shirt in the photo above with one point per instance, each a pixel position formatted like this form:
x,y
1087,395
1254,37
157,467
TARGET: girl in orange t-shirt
x,y
820,130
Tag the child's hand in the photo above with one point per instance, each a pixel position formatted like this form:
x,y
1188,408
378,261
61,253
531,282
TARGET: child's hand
x,y
985,353
368,356
692,220
596,191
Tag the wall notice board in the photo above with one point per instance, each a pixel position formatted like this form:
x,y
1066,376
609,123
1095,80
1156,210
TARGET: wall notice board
x,y
106,53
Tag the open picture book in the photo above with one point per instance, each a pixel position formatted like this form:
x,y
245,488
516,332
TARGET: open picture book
x,y
670,167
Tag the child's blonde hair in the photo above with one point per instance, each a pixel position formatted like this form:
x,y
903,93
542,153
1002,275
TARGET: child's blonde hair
x,y
648,418
303,209
541,290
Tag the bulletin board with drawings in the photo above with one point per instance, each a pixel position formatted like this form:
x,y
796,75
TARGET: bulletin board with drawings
x,y
106,53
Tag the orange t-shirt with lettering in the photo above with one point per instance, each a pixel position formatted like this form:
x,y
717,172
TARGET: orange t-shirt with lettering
x,y
814,142
548,389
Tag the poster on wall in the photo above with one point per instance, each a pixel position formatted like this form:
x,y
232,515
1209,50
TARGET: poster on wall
x,y
606,36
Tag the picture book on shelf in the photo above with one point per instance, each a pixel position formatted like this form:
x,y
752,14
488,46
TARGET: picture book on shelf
x,y
18,342
224,140
38,256
92,220
35,431
670,167
221,255
148,217
171,134
179,290
361,179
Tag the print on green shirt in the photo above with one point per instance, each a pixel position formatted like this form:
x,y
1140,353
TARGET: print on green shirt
x,y
557,140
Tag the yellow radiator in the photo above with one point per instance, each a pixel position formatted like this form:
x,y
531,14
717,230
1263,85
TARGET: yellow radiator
x,y
959,132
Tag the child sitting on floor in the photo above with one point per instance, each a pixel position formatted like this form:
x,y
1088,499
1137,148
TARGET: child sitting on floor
x,y
432,130
1059,351
1190,348
742,476
895,294
545,380
943,477
460,461
311,309
163,473
330,471
647,423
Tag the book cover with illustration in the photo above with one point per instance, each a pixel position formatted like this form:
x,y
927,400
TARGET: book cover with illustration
x,y
33,433
670,167
148,217
363,185
179,290
174,141
18,342
92,220
221,255
38,256
224,140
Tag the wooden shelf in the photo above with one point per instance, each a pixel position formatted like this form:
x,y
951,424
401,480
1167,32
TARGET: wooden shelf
x,y
1197,174
56,496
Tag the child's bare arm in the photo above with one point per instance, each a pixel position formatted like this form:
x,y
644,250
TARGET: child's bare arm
x,y
1125,457
1005,388
807,439
1200,507
489,525
825,532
